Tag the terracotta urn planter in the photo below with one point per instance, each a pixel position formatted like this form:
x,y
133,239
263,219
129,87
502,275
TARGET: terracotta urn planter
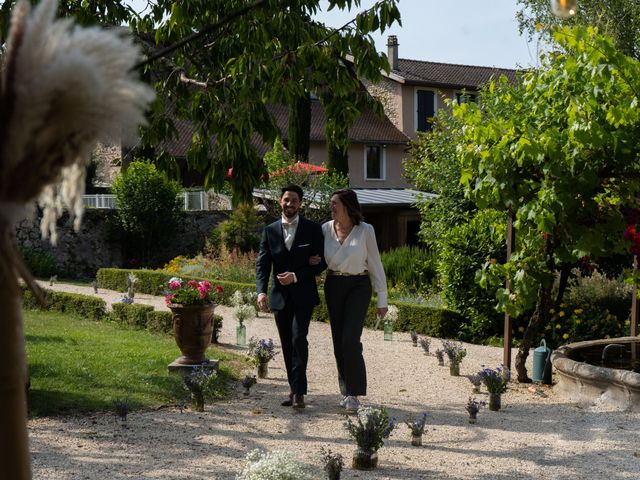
x,y
192,327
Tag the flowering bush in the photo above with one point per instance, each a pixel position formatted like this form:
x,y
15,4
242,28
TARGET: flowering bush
x,y
191,292
373,426
261,351
495,379
454,350
417,427
273,466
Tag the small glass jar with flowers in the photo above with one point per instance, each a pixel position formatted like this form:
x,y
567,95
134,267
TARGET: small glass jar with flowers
x,y
388,322
371,428
496,381
241,311
261,351
473,407
455,351
417,429
192,304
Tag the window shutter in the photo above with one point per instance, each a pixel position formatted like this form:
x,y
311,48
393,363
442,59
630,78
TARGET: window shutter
x,y
425,109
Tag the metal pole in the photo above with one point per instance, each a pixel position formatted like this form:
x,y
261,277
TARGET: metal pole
x,y
506,359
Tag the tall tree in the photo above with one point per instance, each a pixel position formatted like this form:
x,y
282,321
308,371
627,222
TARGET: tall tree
x,y
560,149
236,56
618,18
275,52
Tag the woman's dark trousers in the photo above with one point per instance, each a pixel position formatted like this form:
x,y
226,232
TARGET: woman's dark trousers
x,y
348,299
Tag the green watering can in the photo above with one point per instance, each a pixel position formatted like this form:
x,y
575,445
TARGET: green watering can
x,y
542,363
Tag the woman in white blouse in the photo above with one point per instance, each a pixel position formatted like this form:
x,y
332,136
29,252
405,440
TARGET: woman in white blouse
x,y
354,270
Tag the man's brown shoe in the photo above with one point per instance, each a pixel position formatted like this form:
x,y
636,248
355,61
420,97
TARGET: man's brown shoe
x,y
298,401
288,402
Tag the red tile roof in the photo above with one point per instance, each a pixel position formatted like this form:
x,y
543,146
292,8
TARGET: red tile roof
x,y
449,75
367,128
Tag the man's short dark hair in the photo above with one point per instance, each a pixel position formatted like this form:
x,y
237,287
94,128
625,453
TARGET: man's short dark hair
x,y
292,188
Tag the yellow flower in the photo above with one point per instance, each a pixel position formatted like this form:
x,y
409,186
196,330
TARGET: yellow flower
x,y
561,314
558,325
552,310
565,336
521,329
548,327
562,305
578,321
577,311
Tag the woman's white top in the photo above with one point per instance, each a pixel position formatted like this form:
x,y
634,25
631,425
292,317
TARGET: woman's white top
x,y
358,252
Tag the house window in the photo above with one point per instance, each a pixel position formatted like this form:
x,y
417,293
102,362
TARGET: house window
x,y
374,162
426,103
464,97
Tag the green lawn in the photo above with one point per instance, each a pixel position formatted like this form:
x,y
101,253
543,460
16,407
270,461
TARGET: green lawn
x,y
79,366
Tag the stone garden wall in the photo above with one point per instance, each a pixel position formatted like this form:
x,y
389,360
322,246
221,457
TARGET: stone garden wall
x,y
81,254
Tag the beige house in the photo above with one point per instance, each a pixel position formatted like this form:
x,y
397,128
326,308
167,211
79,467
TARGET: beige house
x,y
411,93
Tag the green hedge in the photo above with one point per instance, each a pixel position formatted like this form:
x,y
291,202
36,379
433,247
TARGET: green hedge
x,y
133,315
434,322
156,283
83,305
424,320
160,322
142,316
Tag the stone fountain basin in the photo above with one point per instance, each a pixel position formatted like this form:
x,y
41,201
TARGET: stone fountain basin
x,y
593,385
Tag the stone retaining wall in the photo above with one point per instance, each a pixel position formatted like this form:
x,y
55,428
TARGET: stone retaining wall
x,y
81,254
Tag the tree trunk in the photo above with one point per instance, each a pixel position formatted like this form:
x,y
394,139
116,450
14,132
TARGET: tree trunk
x,y
14,445
540,315
564,281
536,322
300,127
337,159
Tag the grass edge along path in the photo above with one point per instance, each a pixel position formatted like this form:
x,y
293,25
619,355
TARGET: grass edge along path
x,y
82,366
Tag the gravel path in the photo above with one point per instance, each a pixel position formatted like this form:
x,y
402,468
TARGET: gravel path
x,y
532,437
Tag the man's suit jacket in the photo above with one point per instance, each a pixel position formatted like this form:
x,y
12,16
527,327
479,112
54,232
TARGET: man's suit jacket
x,y
274,258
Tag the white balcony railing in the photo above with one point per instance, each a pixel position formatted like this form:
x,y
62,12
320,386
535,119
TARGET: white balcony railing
x,y
191,200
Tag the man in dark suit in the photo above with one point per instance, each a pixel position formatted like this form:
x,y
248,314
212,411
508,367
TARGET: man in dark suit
x,y
285,248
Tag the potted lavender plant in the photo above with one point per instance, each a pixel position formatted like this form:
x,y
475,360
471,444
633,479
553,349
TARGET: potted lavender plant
x,y
425,343
121,408
496,381
456,352
333,463
261,352
476,381
473,407
248,382
372,428
199,382
417,429
414,338
440,356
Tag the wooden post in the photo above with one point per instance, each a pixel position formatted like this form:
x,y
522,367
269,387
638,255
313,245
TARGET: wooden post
x,y
506,358
634,303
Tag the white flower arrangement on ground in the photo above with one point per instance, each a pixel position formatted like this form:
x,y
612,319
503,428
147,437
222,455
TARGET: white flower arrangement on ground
x,y
274,466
